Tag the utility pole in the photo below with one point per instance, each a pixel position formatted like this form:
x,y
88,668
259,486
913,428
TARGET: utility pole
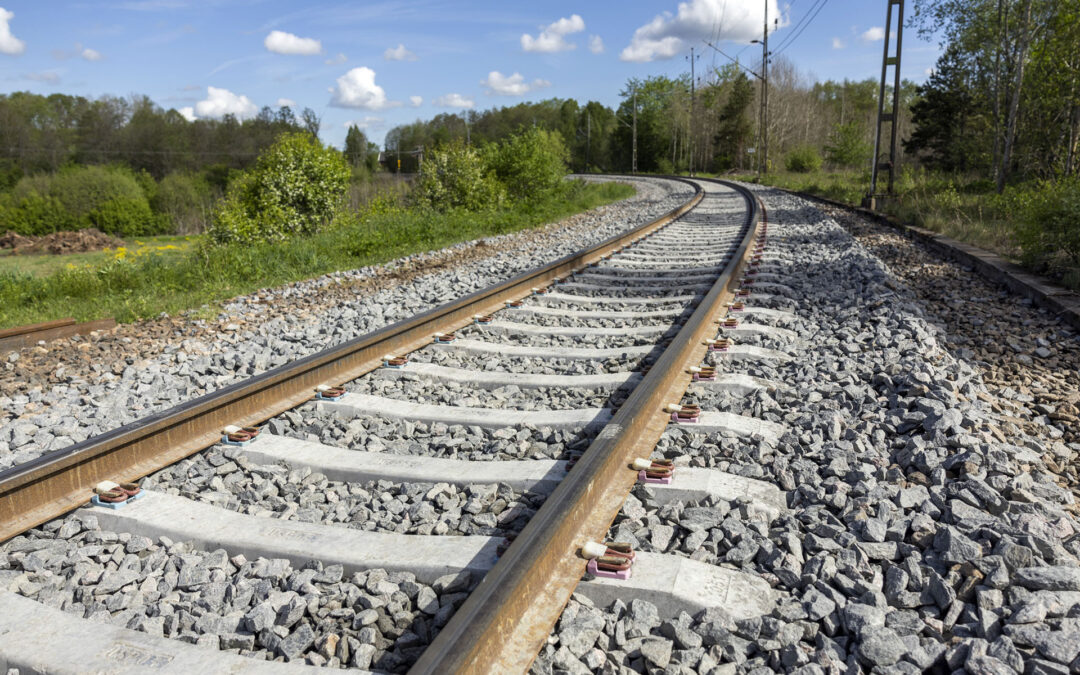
x,y
892,117
764,166
588,138
633,164
692,108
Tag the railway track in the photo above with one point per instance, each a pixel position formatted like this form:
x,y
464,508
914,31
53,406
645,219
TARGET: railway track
x,y
531,401
852,497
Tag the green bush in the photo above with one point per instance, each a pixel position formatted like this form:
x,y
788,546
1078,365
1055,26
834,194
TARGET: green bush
x,y
296,187
185,200
529,164
803,159
109,198
847,146
1049,234
126,217
457,176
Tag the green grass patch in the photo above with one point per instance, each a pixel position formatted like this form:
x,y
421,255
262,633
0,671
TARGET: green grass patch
x,y
45,264
130,287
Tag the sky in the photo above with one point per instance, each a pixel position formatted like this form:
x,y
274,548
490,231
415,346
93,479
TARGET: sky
x,y
379,64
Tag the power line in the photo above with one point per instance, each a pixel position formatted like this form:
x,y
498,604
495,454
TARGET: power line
x,y
794,36
801,24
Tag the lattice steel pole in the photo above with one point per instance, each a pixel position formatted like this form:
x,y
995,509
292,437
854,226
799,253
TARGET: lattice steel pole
x,y
892,117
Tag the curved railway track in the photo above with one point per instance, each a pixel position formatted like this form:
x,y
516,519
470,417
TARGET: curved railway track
x,y
587,354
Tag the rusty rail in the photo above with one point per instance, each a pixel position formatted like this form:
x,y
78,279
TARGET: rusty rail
x,y
506,620
47,487
24,336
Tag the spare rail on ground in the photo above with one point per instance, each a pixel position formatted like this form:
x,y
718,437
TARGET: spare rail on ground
x,y
24,336
49,486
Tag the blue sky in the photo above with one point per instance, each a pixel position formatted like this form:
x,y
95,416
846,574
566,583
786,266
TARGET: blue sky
x,y
377,64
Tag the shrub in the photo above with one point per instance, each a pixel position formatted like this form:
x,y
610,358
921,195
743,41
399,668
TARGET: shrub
x,y
1048,235
296,187
126,217
185,200
529,164
803,159
456,176
847,145
108,198
85,189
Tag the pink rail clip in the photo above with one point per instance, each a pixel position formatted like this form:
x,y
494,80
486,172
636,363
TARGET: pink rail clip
x,y
655,471
610,560
703,373
721,344
684,414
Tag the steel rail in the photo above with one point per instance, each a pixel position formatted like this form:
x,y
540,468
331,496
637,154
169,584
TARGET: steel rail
x,y
506,620
24,336
42,489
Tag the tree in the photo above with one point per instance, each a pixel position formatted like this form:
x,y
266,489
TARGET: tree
x,y
942,138
735,128
311,121
356,147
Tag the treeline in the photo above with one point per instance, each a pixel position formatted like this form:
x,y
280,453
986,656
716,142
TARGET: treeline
x,y
832,120
46,133
125,165
1004,98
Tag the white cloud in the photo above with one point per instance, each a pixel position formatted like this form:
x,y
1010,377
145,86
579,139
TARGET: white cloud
x,y
873,34
399,53
596,44
221,102
369,122
837,43
357,89
416,101
337,60
551,37
9,44
281,42
511,85
669,35
283,102
454,101
188,112
91,54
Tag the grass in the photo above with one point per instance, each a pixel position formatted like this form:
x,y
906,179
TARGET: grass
x,y
45,264
130,287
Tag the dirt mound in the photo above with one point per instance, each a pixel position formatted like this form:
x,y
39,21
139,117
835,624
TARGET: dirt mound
x,y
14,240
59,243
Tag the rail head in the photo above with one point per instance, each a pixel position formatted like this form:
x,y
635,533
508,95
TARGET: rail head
x,y
44,488
505,621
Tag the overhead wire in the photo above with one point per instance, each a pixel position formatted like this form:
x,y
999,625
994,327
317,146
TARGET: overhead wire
x,y
808,18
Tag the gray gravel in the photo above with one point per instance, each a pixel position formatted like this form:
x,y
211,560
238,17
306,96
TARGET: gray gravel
x,y
261,608
225,477
275,326
403,437
920,537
